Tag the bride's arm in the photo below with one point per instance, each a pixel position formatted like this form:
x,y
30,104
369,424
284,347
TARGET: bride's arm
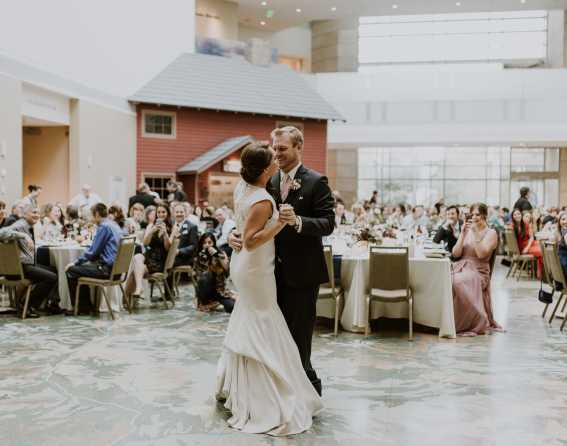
x,y
255,232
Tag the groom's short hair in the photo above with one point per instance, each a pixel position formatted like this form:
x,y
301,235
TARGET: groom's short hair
x,y
294,133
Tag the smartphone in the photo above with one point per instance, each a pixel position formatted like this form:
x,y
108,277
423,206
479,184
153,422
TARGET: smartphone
x,y
159,221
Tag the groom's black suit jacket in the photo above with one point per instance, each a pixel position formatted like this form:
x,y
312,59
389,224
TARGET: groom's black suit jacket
x,y
300,262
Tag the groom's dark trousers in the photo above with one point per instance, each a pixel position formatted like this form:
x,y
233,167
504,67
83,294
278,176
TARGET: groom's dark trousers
x,y
298,306
300,262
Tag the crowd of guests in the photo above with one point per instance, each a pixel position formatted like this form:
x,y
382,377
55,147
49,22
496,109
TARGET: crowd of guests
x,y
202,232
472,235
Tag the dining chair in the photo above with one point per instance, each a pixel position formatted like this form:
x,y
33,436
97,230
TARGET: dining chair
x,y
12,274
160,278
389,280
176,273
117,277
547,277
520,262
558,276
330,290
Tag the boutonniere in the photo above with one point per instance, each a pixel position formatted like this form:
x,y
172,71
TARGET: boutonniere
x,y
296,184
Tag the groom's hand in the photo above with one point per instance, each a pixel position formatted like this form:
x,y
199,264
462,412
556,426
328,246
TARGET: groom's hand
x,y
287,215
235,240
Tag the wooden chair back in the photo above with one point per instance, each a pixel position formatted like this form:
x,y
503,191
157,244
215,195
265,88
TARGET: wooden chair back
x,y
328,252
123,258
511,242
557,273
389,268
10,263
171,254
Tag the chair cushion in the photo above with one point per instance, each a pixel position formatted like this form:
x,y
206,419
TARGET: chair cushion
x,y
388,294
100,282
183,269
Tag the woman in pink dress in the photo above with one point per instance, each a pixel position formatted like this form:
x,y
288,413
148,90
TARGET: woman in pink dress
x,y
471,274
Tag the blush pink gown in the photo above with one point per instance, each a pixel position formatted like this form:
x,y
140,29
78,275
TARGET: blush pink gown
x,y
471,292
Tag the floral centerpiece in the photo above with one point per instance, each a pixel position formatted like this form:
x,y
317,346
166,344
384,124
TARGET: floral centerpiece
x,y
367,234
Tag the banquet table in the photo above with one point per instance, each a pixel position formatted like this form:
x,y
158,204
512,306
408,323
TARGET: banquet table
x,y
430,281
63,254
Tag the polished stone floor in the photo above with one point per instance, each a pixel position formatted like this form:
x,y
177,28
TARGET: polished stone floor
x,y
148,379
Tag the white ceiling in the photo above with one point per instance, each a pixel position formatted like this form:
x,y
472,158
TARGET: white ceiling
x,y
251,12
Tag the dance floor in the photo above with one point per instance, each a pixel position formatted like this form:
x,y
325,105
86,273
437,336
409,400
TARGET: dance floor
x,y
148,379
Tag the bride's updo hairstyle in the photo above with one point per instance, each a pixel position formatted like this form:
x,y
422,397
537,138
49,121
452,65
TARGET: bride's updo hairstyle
x,y
255,159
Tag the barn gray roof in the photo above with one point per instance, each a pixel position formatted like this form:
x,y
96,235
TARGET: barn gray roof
x,y
233,84
215,154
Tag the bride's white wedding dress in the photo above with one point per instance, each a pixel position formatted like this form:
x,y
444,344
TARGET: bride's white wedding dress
x,y
260,373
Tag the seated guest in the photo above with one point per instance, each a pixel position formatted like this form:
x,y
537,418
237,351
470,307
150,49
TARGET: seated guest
x,y
73,223
175,192
44,278
359,214
417,220
208,216
211,271
551,216
225,225
157,240
143,197
341,215
448,233
3,214
561,239
116,214
471,275
137,215
188,234
52,224
190,213
397,218
16,214
97,261
525,234
85,200
433,220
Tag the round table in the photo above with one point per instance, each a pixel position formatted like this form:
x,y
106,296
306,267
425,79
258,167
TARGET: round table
x,y
60,256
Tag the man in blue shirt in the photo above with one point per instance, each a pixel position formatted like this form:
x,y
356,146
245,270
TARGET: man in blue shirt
x,y
97,261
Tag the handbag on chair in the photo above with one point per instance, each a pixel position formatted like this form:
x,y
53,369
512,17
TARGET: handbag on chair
x,y
544,296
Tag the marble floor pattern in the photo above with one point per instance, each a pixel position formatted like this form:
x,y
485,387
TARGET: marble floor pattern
x,y
148,379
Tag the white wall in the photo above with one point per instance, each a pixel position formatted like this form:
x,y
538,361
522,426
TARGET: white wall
x,y
10,139
115,46
102,151
217,19
506,107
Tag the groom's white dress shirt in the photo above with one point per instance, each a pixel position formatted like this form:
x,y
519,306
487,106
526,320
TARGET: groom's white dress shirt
x,y
283,178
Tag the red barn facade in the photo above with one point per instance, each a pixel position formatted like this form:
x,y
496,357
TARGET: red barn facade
x,y
178,127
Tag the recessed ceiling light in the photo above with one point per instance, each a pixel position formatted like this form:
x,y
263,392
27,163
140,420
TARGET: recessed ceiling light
x,y
458,4
264,3
523,1
334,8
394,6
263,23
298,10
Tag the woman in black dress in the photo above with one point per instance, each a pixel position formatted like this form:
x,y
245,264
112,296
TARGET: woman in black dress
x,y
157,240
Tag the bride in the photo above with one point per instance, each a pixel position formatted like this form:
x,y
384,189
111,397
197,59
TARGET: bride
x,y
260,375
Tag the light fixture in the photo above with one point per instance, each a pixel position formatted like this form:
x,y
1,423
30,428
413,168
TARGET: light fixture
x,y
458,4
264,3
523,2
298,10
334,8
263,23
394,6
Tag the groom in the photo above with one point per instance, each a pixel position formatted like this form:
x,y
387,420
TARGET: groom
x,y
300,262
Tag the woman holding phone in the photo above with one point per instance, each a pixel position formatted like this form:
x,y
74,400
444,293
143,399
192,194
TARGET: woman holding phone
x,y
471,274
157,240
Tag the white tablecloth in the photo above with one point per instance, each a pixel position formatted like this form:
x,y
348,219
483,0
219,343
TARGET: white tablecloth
x,y
430,280
60,257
